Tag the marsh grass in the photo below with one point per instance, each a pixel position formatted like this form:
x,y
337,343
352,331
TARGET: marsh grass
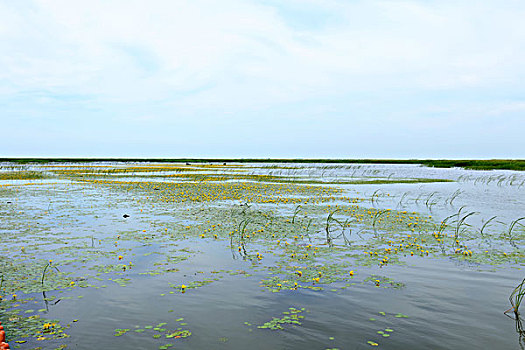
x,y
329,220
454,195
508,234
48,265
374,199
296,211
515,298
377,215
485,225
461,225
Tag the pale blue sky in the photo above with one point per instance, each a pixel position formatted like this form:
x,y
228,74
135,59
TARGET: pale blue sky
x,y
311,78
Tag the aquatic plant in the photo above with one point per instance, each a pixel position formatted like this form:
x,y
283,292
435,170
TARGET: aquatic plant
x,y
443,224
516,298
485,224
377,215
290,317
508,234
375,196
453,197
313,261
400,203
460,222
296,211
329,220
45,269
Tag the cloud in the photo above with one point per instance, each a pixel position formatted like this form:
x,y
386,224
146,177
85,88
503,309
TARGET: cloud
x,y
106,46
207,61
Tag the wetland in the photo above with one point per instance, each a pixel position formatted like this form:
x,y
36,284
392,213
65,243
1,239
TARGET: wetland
x,y
231,255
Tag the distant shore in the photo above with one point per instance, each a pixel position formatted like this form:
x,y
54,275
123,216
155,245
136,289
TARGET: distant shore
x,y
475,164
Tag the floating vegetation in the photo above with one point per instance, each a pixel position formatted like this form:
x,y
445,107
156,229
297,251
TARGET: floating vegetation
x,y
384,282
20,328
158,331
292,316
387,331
193,284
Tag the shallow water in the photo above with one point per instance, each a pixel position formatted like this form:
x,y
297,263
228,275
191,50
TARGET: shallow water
x,y
450,301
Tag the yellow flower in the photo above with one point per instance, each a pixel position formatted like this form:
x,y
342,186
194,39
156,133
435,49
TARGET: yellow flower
x,y
351,273
299,273
72,283
120,257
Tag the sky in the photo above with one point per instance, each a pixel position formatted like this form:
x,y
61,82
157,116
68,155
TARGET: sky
x,y
262,79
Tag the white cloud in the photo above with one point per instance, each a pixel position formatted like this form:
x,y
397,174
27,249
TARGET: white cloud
x,y
153,61
246,49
